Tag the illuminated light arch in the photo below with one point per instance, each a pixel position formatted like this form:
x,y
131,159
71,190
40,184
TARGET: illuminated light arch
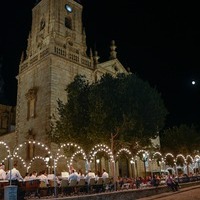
x,y
196,156
70,144
45,147
127,151
99,148
7,150
6,158
168,154
21,159
171,168
76,153
156,153
142,151
6,146
182,156
189,156
36,158
61,156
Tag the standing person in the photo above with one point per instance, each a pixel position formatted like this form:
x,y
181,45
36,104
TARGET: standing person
x,y
43,178
27,176
33,176
80,175
73,176
89,175
175,182
97,175
2,172
170,183
14,175
104,174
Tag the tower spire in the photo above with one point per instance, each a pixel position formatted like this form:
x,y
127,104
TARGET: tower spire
x,y
113,53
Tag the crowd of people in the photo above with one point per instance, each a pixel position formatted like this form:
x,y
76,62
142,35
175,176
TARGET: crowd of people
x,y
122,182
150,181
15,176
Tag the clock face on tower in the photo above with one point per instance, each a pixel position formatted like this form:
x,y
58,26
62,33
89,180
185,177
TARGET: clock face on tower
x,y
68,8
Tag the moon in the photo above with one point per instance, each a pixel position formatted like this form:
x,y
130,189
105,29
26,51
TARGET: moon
x,y
193,82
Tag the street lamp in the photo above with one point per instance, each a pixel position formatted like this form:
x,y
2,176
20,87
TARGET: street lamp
x,y
97,161
133,169
47,158
197,162
144,159
54,169
176,170
160,165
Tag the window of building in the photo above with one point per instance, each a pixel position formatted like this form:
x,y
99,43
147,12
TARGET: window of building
x,y
31,103
42,24
68,22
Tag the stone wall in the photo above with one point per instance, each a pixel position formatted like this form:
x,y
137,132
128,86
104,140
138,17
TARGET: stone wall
x,y
128,194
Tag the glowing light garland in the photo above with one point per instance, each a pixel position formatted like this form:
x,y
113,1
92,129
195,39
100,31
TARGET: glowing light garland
x,y
100,148
128,152
92,154
61,156
35,158
156,153
7,149
20,146
182,156
76,153
70,144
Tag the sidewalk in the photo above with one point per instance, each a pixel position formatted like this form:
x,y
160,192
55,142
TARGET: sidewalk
x,y
169,193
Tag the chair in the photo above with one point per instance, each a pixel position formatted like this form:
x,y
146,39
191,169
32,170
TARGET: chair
x,y
32,187
43,189
99,185
52,185
107,184
81,186
91,185
72,186
64,185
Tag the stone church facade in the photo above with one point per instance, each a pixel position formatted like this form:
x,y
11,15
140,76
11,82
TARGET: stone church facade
x,y
56,52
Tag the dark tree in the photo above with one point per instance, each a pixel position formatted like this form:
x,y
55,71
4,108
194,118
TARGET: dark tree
x,y
123,109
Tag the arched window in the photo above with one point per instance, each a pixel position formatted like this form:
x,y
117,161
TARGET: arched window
x,y
31,103
42,24
68,22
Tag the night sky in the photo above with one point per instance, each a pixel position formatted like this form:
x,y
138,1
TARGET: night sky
x,y
159,41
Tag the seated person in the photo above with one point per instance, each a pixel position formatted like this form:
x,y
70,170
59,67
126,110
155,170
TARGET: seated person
x,y
89,175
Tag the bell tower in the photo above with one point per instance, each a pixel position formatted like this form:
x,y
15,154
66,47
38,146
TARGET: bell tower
x,y
56,52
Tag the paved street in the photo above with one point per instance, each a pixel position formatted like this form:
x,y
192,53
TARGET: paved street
x,y
190,193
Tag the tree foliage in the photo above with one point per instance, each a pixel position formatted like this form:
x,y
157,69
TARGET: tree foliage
x,y
124,107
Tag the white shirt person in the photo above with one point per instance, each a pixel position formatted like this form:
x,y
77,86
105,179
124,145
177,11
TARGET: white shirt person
x,y
105,174
2,172
14,174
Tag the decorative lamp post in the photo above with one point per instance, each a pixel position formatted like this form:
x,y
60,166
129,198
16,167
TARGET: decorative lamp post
x,y
97,161
160,165
144,159
47,158
54,169
175,167
133,168
150,163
